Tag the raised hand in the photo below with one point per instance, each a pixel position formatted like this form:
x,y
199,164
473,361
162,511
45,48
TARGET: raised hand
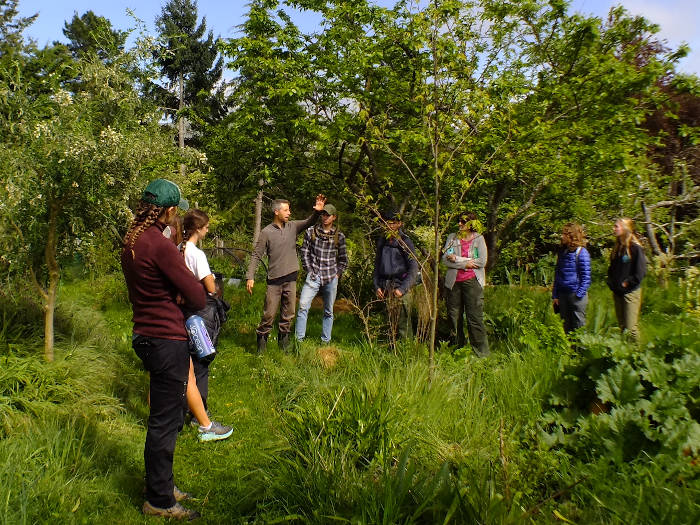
x,y
320,202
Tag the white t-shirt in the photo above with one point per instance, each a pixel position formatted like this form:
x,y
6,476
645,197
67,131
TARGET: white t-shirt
x,y
196,261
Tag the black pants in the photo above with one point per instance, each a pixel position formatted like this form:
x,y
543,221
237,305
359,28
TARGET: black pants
x,y
168,363
201,373
467,297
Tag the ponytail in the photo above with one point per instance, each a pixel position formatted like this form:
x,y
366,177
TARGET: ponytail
x,y
194,220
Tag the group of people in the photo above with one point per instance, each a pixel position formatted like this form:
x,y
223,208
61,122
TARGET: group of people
x,y
572,277
169,279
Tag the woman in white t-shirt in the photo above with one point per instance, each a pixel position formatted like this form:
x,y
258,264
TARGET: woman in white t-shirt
x,y
195,227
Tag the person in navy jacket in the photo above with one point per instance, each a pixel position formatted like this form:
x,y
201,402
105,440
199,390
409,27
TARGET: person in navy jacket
x,y
628,266
572,277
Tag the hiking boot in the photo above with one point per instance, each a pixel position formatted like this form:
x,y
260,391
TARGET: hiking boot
x,y
262,343
179,495
216,432
283,340
177,511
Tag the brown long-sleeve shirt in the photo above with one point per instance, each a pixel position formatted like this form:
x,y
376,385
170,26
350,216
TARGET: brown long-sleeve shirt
x,y
279,244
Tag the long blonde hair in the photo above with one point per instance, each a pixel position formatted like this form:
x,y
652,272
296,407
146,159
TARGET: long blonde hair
x,y
629,237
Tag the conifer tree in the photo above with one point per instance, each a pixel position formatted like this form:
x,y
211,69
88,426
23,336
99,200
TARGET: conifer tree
x,y
90,33
189,62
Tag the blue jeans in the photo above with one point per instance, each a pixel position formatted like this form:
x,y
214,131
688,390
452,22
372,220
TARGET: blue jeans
x,y
328,291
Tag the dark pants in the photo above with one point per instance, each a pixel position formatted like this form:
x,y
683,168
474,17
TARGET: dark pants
x,y
467,297
168,363
201,373
276,294
572,310
399,312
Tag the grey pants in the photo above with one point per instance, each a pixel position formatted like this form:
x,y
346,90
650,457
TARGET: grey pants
x,y
627,312
572,310
467,297
276,294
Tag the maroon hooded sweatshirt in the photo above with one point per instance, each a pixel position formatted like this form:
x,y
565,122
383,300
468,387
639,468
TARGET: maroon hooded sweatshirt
x,y
155,274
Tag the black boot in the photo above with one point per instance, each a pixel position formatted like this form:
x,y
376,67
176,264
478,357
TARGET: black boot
x,y
262,343
283,340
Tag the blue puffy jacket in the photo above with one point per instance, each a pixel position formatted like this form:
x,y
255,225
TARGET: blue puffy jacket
x,y
572,273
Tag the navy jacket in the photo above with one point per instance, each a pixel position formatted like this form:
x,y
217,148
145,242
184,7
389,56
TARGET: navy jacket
x,y
572,273
393,263
629,269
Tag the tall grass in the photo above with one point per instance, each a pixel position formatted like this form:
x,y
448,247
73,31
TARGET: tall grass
x,y
348,432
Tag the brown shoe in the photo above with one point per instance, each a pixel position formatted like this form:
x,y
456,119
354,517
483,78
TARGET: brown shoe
x,y
179,495
177,511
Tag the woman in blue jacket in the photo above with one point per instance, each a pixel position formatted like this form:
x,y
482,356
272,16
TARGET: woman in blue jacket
x,y
572,277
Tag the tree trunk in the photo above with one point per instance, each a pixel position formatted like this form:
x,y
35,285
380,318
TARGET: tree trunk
x,y
258,213
181,122
492,233
651,235
436,217
53,271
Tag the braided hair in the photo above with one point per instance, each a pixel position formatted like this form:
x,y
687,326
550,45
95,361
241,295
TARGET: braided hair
x,y
146,215
193,221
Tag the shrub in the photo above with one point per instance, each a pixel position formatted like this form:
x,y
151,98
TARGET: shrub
x,y
618,402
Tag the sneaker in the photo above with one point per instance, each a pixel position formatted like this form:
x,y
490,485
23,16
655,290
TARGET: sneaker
x,y
177,511
195,423
215,433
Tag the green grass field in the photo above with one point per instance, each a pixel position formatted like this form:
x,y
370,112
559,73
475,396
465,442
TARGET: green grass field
x,y
353,432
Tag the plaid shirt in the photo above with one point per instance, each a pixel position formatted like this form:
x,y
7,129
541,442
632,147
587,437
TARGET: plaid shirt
x,y
321,257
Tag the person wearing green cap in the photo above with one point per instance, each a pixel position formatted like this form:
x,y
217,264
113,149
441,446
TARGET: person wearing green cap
x,y
157,280
324,257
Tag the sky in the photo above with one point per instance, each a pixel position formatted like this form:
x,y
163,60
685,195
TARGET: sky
x,y
679,19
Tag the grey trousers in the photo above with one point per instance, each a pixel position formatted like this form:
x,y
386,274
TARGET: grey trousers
x,y
284,294
467,297
572,310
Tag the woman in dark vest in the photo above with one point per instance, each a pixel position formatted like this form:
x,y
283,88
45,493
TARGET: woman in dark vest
x,y
628,266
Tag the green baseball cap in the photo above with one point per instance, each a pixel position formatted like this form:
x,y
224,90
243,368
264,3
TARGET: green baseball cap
x,y
164,193
330,209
